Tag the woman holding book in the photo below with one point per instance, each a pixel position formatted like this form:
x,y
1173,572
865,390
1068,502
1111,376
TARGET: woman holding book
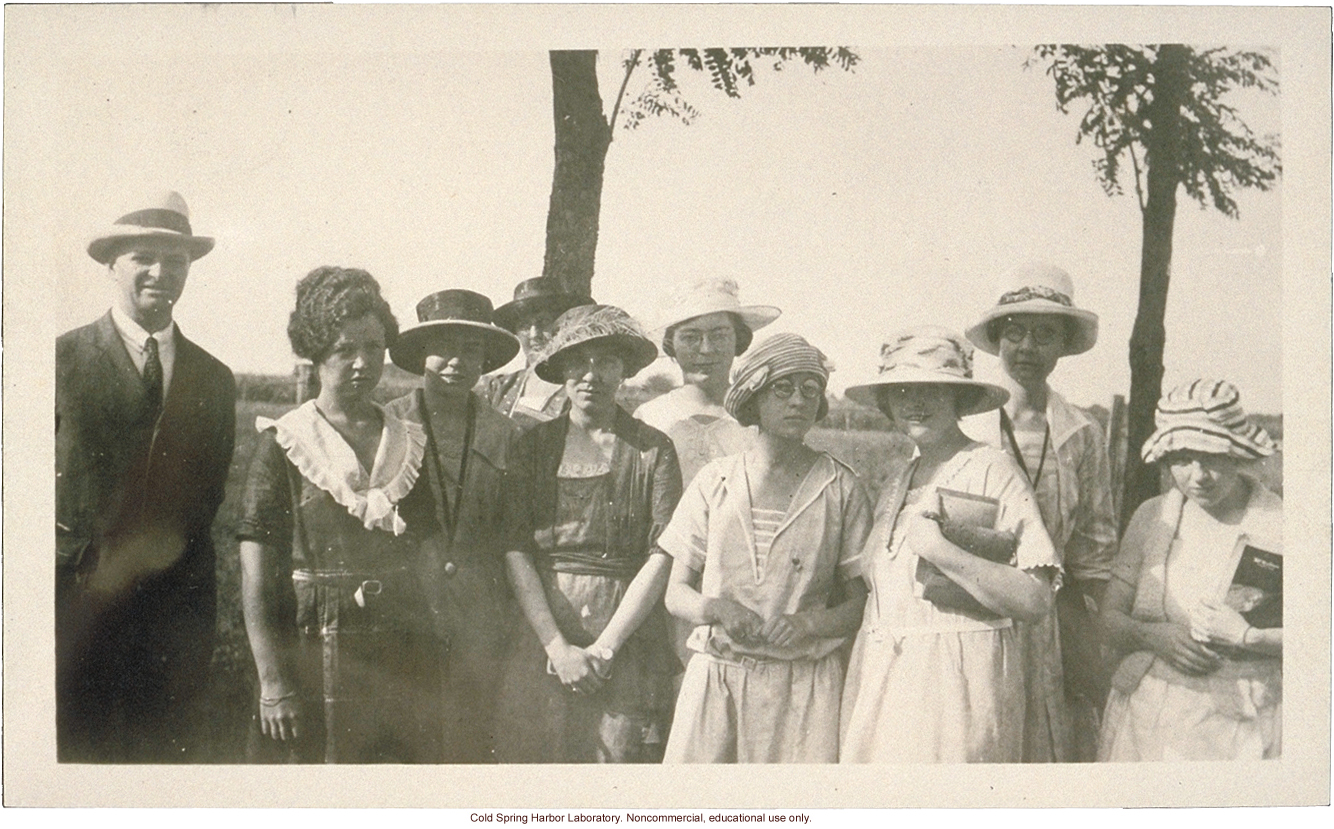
x,y
1195,600
957,554
766,545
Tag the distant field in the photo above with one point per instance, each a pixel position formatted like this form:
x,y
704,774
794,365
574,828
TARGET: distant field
x,y
867,452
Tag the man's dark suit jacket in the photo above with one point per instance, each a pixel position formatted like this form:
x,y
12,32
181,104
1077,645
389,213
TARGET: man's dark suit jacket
x,y
136,594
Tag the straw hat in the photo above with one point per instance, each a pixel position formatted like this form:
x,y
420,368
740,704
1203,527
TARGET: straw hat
x,y
164,218
1205,416
778,356
601,324
933,355
1038,288
454,309
710,295
543,293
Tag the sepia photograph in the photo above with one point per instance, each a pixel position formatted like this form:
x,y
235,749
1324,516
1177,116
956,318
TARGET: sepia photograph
x,y
779,406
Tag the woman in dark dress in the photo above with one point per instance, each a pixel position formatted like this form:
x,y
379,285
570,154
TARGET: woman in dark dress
x,y
349,668
591,679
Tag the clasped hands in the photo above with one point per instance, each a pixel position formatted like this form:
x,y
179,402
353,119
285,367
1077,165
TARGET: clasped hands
x,y
1212,621
748,627
581,670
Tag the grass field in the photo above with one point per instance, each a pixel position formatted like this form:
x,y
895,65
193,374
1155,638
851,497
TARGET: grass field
x,y
867,452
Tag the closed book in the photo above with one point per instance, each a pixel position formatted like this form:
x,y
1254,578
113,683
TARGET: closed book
x,y
968,521
1255,589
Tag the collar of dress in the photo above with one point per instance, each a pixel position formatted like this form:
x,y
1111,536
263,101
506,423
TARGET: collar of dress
x,y
321,454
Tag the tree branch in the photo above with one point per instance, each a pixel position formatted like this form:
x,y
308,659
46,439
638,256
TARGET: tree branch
x,y
629,70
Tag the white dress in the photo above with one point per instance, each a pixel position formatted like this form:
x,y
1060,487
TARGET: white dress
x,y
928,684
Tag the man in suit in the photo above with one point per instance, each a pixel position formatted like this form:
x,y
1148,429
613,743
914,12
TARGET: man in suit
x,y
145,426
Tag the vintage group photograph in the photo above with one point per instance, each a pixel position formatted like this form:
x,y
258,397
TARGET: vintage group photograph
x,y
503,387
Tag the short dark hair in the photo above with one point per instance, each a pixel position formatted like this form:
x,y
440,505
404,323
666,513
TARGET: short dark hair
x,y
326,298
743,335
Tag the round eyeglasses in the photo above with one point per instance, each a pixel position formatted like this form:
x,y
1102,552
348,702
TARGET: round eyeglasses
x,y
1044,333
810,389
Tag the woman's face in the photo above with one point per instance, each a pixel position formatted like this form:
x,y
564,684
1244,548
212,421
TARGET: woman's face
x,y
593,372
455,361
789,406
1030,345
705,347
1203,477
925,412
352,368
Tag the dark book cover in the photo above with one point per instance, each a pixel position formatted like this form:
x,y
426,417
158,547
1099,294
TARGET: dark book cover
x,y
1256,587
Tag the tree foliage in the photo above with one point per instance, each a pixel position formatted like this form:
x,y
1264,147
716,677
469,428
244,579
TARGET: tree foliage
x,y
729,71
1167,108
1220,153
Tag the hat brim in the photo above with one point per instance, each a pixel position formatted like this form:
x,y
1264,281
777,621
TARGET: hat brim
x,y
103,248
865,393
637,353
754,316
1086,324
509,315
1211,440
412,346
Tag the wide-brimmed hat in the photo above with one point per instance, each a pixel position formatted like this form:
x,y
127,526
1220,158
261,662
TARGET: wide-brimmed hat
x,y
1205,416
601,324
710,296
543,293
1038,288
780,355
165,217
454,309
928,355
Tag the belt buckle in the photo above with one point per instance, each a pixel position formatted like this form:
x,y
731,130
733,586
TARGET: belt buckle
x,y
370,587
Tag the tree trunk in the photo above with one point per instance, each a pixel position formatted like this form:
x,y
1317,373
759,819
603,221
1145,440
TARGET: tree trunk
x,y
582,138
1162,149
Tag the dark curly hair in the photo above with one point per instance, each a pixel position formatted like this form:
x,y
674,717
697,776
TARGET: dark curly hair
x,y
326,298
743,335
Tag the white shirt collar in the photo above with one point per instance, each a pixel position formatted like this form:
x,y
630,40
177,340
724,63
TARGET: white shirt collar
x,y
134,333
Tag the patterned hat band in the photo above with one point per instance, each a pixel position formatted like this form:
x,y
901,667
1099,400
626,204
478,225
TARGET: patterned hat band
x,y
1036,292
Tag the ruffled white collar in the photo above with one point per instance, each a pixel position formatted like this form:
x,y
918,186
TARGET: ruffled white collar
x,y
321,454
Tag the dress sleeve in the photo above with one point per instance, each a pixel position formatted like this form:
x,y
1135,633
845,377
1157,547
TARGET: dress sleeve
x,y
1129,559
516,523
857,520
666,489
266,506
686,536
1019,514
1092,545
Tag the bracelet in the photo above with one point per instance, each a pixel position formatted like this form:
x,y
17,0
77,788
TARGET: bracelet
x,y
1245,633
271,701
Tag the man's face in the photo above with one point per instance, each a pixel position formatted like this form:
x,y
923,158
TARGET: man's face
x,y
534,331
150,276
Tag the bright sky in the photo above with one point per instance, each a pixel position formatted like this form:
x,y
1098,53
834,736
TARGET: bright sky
x,y
858,203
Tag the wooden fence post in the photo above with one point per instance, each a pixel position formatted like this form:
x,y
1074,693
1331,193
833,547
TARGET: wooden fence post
x,y
1118,427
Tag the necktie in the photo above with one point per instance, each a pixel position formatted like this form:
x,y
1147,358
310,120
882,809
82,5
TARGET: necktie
x,y
152,379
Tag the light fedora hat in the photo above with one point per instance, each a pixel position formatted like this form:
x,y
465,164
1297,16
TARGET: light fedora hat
x,y
605,324
1038,288
453,309
710,296
164,217
928,355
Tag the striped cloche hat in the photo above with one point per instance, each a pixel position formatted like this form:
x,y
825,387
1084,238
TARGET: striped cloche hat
x,y
777,356
1205,416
